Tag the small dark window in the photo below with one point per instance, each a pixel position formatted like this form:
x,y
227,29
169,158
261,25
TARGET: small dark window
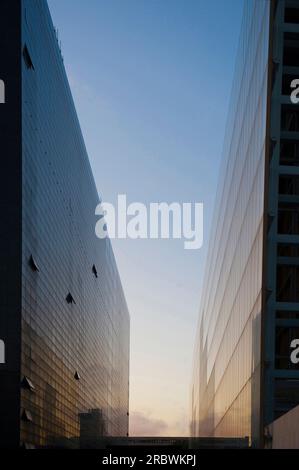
x,y
27,416
27,58
289,119
33,265
287,314
27,384
288,219
70,299
291,15
288,250
77,376
290,50
289,184
94,270
287,283
289,153
286,395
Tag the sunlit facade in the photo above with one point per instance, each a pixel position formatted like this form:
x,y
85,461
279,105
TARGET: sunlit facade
x,y
242,376
64,319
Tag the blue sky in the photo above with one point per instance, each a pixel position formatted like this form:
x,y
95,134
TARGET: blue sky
x,y
151,81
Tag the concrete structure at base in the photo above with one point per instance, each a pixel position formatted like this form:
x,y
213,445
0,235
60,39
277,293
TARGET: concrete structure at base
x,y
171,443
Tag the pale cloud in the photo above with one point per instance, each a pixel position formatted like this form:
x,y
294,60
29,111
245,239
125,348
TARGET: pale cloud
x,y
144,425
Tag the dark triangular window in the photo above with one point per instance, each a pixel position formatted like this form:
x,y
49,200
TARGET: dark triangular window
x,y
77,375
27,384
27,58
94,270
27,416
32,263
70,299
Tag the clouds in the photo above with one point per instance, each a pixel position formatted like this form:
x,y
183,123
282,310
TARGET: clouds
x,y
146,426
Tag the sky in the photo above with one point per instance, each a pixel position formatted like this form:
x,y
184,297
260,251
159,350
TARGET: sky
x,y
151,81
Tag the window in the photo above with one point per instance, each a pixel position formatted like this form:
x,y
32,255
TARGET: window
x,y
287,314
27,416
288,220
291,15
290,119
70,299
287,283
27,58
291,48
27,384
286,395
77,376
289,184
33,265
287,249
289,153
94,270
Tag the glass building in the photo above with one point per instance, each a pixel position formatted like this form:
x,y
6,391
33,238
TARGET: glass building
x,y
243,378
64,322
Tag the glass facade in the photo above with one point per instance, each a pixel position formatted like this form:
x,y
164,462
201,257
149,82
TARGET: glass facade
x,y
243,374
225,393
73,321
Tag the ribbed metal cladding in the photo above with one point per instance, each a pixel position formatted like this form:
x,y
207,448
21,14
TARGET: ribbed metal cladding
x,y
225,391
66,379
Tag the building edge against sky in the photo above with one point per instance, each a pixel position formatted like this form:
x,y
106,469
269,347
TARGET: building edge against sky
x,y
64,318
242,376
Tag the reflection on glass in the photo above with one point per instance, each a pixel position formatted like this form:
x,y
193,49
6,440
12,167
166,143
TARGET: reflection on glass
x,y
226,372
